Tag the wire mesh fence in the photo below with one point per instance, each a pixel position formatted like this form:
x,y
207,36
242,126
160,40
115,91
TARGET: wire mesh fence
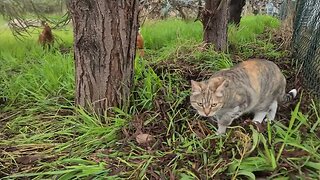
x,y
287,8
306,42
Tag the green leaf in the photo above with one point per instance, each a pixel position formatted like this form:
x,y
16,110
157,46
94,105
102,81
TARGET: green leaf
x,y
313,165
248,174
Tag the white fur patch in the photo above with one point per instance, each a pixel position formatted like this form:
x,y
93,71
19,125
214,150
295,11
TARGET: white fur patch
x,y
236,109
259,116
294,92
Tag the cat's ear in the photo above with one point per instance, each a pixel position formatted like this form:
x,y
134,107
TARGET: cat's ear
x,y
214,83
221,88
195,86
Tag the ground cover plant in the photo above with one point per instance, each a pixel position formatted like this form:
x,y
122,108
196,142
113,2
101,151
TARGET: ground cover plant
x,y
42,134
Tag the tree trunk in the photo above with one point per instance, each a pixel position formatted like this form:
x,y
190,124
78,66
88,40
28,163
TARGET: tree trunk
x,y
104,50
235,9
214,22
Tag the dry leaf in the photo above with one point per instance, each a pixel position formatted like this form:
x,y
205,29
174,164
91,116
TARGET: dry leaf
x,y
27,159
144,138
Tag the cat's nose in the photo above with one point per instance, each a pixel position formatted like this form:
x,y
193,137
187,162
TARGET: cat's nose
x,y
207,112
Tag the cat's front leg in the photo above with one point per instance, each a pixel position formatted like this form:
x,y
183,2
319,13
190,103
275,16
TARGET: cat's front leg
x,y
223,123
221,129
213,119
226,119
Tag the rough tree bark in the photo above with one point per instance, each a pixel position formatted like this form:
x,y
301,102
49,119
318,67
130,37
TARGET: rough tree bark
x,y
235,9
104,49
214,22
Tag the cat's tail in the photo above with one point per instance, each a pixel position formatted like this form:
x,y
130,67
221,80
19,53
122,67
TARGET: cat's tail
x,y
289,96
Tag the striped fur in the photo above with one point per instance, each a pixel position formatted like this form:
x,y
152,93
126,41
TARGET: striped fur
x,y
255,85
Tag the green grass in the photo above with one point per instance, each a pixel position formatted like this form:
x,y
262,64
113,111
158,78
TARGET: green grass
x,y
159,34
43,136
250,28
245,38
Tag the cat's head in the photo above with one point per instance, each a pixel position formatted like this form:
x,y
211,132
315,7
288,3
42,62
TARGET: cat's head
x,y
207,97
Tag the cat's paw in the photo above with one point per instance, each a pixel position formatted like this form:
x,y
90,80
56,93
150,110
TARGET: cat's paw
x,y
219,134
221,129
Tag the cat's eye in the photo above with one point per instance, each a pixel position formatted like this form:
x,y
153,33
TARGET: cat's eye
x,y
199,104
214,105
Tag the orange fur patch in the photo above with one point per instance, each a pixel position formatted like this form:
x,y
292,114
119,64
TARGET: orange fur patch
x,y
251,69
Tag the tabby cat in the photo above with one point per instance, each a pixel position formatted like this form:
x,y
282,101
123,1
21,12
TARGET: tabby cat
x,y
253,86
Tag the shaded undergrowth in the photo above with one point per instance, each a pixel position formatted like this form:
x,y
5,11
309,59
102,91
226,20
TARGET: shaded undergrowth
x,y
161,137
